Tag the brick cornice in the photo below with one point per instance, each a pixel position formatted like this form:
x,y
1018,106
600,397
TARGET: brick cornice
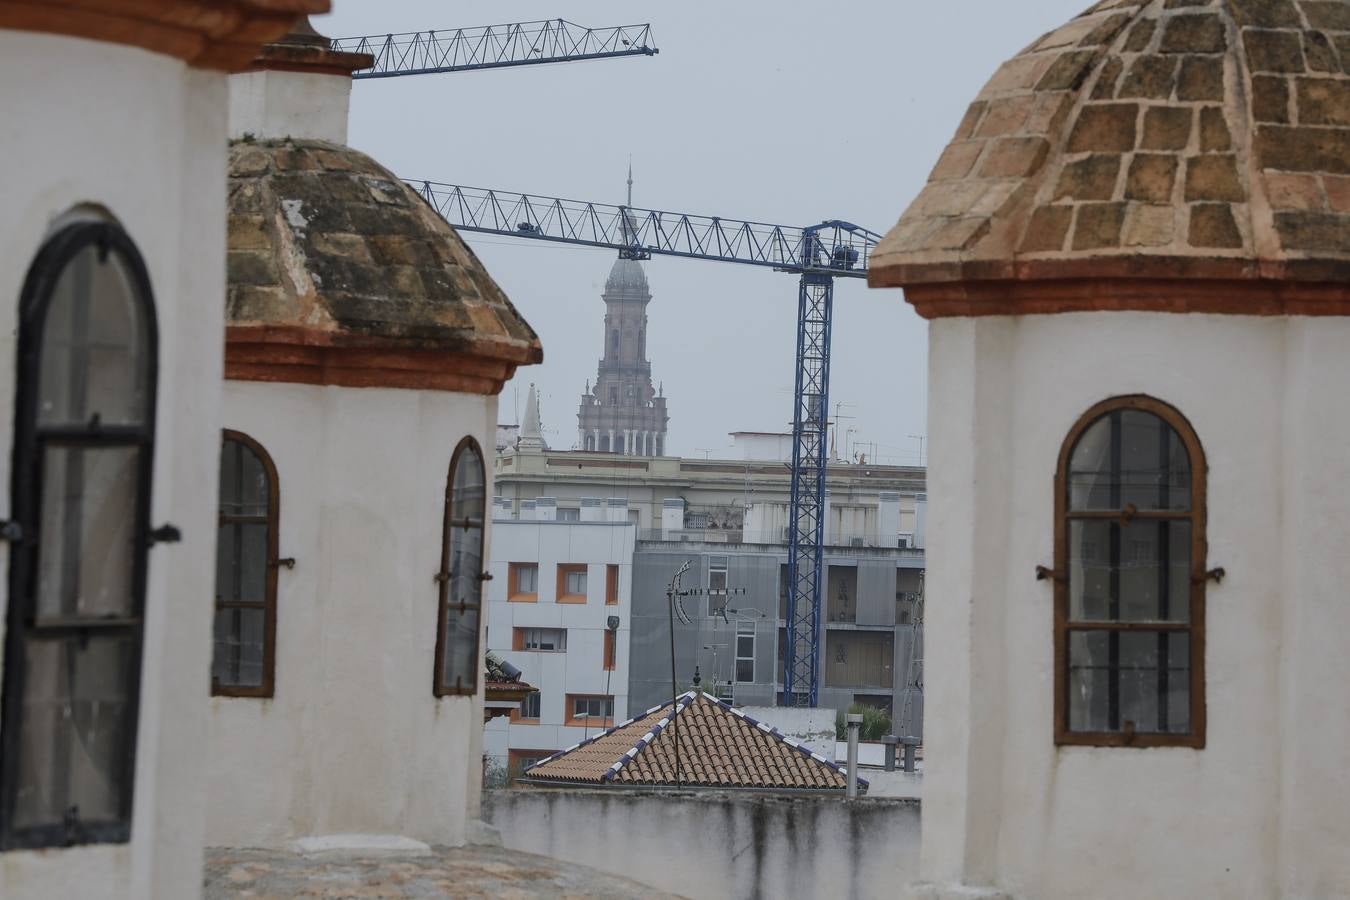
x,y
300,355
209,34
1245,297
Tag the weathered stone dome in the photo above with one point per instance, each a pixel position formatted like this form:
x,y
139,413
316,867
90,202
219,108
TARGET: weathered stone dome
x,y
1180,139
339,269
627,276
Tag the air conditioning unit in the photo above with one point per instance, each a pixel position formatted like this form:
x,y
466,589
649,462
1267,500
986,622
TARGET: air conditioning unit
x,y
906,542
855,542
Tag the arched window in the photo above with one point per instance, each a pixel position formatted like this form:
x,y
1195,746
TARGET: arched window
x,y
461,577
243,663
1130,579
614,341
82,466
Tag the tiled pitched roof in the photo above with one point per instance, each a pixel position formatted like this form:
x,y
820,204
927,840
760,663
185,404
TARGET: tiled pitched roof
x,y
1148,138
720,747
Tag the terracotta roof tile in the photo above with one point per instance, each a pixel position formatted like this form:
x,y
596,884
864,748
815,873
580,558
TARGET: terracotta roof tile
x,y
719,747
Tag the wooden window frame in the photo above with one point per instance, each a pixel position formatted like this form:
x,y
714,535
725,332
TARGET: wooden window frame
x,y
1063,626
444,606
565,569
608,652
572,721
513,594
612,584
269,604
29,442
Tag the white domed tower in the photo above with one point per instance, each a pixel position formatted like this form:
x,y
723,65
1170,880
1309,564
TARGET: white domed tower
x,y
624,413
1135,260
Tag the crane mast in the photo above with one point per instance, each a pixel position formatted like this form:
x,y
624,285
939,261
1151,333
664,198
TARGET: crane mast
x,y
816,253
495,47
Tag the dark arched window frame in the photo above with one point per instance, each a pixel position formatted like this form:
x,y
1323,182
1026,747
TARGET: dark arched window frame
x,y
268,603
27,626
461,592
1064,625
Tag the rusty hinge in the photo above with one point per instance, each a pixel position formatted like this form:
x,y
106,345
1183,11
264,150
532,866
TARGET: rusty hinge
x,y
1043,574
287,561
1215,575
165,534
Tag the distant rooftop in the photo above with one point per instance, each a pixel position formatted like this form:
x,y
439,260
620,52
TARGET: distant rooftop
x,y
720,747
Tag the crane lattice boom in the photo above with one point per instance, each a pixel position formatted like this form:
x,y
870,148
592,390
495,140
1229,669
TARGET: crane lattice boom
x,y
495,46
833,247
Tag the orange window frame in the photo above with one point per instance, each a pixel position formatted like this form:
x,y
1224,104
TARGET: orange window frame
x,y
611,585
513,592
565,569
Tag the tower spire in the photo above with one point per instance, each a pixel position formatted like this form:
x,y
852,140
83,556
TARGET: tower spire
x,y
630,181
531,434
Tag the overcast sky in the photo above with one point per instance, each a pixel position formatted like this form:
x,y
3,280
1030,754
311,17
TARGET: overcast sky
x,y
774,110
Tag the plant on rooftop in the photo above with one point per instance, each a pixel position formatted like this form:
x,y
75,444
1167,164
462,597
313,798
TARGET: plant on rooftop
x,y
876,723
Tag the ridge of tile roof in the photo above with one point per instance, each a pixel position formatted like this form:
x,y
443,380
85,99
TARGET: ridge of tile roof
x,y
720,747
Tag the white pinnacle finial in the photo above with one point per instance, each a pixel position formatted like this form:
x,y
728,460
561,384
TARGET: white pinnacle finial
x,y
531,435
630,181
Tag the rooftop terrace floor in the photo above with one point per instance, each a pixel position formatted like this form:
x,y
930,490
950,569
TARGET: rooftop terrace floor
x,y
463,872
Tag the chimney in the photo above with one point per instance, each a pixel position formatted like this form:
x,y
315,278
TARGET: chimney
x,y
591,510
546,509
616,510
888,518
297,87
527,511
920,518
672,516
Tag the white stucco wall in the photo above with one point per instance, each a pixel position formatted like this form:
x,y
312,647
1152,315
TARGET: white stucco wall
x,y
354,740
277,104
579,669
712,845
143,137
1260,811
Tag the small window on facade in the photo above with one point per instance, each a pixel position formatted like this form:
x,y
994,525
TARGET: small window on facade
x,y
529,707
523,581
611,585
608,658
547,639
569,514
244,658
84,413
745,651
1130,553
586,709
717,584
614,341
571,583
461,575
613,395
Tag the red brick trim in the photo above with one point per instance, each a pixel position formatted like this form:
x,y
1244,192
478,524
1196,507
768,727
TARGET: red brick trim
x,y
1174,295
207,34
304,356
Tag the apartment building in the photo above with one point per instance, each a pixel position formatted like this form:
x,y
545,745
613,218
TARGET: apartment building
x,y
559,608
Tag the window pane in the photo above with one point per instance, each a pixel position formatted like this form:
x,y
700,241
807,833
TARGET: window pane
x,y
466,564
1135,573
459,665
468,492
576,583
745,645
1137,676
93,346
745,670
243,481
73,730
1129,457
527,579
86,550
237,660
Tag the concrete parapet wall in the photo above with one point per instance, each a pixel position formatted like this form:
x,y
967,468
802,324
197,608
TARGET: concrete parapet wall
x,y
719,844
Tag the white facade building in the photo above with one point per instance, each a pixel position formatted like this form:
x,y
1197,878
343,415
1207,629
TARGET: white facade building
x,y
555,587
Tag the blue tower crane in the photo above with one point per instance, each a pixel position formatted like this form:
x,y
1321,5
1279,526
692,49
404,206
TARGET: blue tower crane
x,y
817,254
495,47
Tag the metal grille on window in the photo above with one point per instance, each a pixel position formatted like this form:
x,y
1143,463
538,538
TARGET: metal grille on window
x,y
461,575
1129,592
84,436
242,663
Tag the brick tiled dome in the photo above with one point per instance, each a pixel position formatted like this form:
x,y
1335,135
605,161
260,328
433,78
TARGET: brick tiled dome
x,y
1175,139
328,249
